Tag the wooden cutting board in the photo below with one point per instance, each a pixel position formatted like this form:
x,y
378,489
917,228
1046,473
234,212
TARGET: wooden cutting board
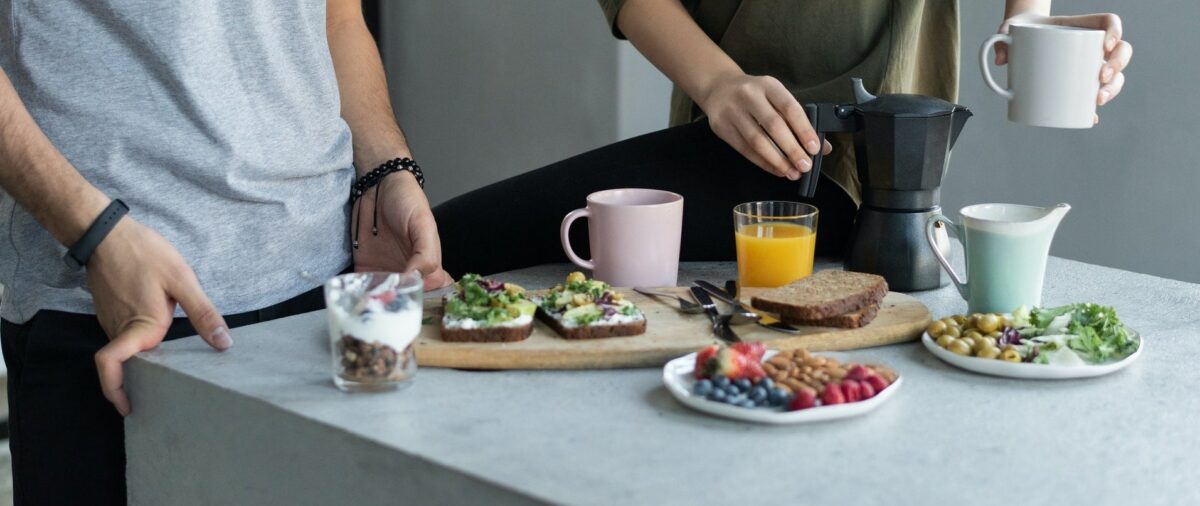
x,y
669,334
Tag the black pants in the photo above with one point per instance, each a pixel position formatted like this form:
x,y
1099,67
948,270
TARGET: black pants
x,y
67,441
514,223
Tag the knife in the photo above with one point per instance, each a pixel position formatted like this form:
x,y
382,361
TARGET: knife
x,y
762,319
720,323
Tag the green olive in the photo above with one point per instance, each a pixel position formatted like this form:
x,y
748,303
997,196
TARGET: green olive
x,y
983,342
995,335
936,328
960,347
954,332
1010,355
971,333
988,323
988,352
959,319
945,340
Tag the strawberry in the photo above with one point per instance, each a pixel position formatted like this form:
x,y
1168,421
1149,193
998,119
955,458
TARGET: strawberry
x,y
385,297
868,391
752,369
859,373
726,362
804,399
877,383
702,358
753,350
832,395
852,390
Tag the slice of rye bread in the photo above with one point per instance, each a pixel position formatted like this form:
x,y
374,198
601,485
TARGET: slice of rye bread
x,y
851,320
486,334
593,331
824,294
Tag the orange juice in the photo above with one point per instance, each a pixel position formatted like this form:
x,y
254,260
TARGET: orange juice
x,y
774,254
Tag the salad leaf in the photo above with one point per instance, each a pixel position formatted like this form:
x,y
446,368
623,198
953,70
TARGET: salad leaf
x,y
1094,331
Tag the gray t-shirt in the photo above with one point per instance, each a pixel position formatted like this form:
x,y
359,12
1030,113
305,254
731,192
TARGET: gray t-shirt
x,y
217,121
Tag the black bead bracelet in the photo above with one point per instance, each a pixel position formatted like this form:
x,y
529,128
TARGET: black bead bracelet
x,y
372,179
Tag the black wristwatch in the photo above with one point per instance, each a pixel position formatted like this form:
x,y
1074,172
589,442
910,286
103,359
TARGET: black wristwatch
x,y
79,253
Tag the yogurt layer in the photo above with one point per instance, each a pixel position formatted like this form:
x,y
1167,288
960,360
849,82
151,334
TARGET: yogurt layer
x,y
393,329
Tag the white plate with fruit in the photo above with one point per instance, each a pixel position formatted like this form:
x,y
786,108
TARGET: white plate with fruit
x,y
1072,341
834,389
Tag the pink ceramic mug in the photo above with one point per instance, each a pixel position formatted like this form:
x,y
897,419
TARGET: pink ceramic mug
x,y
634,235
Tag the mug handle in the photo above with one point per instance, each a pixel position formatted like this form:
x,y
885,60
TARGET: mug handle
x,y
563,234
983,64
932,222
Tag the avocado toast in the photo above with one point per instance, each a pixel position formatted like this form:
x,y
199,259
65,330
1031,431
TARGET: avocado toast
x,y
588,309
485,310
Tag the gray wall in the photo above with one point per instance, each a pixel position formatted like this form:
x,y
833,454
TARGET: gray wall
x,y
487,89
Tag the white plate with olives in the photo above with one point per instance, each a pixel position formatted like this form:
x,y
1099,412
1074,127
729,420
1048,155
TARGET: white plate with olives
x,y
966,350
679,380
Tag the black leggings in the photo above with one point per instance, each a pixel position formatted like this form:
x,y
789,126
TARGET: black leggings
x,y
514,223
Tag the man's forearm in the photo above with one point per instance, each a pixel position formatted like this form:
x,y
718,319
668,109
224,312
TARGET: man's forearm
x,y
1014,7
363,87
39,177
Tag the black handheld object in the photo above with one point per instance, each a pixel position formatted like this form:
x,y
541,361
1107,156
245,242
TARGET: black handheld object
x,y
825,118
79,253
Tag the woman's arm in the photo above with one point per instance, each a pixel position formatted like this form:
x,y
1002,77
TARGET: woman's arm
x,y
1117,52
756,115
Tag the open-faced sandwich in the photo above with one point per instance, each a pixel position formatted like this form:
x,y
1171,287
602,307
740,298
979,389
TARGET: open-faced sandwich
x,y
485,310
585,309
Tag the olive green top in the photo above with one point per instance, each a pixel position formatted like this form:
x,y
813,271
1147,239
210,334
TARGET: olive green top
x,y
815,46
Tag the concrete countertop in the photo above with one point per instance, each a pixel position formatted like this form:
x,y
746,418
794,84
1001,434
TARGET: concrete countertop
x,y
263,424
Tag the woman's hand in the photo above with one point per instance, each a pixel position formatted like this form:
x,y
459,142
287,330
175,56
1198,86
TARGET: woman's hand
x,y
760,118
408,237
1117,52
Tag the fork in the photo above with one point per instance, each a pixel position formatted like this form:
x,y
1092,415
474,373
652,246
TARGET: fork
x,y
685,305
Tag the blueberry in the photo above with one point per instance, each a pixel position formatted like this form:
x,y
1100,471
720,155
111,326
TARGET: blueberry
x,y
758,394
767,383
774,395
703,387
716,395
721,381
743,384
735,399
748,404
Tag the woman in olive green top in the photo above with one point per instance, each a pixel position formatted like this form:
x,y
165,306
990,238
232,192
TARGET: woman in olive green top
x,y
741,69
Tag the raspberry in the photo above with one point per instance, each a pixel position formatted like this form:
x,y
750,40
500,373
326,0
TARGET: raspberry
x,y
804,399
832,395
877,383
859,373
852,390
868,391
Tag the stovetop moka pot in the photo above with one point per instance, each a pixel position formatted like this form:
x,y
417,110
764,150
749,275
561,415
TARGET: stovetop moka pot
x,y
902,149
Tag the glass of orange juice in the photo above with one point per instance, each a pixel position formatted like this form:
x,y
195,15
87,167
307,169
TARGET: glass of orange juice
x,y
775,242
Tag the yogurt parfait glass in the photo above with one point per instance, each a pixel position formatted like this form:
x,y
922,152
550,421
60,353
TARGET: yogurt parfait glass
x,y
374,319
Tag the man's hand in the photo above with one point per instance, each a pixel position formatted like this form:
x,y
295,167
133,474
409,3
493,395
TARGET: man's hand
x,y
1117,52
760,118
136,277
408,237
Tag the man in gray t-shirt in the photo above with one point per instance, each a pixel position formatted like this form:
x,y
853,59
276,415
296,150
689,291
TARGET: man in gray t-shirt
x,y
233,130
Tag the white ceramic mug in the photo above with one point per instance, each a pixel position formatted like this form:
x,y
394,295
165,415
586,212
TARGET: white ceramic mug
x,y
1053,74
634,235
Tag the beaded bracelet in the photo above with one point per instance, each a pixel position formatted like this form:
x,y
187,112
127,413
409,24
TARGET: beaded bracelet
x,y
372,179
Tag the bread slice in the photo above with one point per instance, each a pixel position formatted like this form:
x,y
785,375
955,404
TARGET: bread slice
x,y
593,331
822,295
487,334
851,320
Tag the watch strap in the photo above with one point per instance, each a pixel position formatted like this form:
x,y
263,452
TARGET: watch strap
x,y
79,253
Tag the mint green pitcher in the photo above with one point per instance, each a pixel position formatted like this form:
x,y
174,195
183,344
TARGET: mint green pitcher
x,y
1006,247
